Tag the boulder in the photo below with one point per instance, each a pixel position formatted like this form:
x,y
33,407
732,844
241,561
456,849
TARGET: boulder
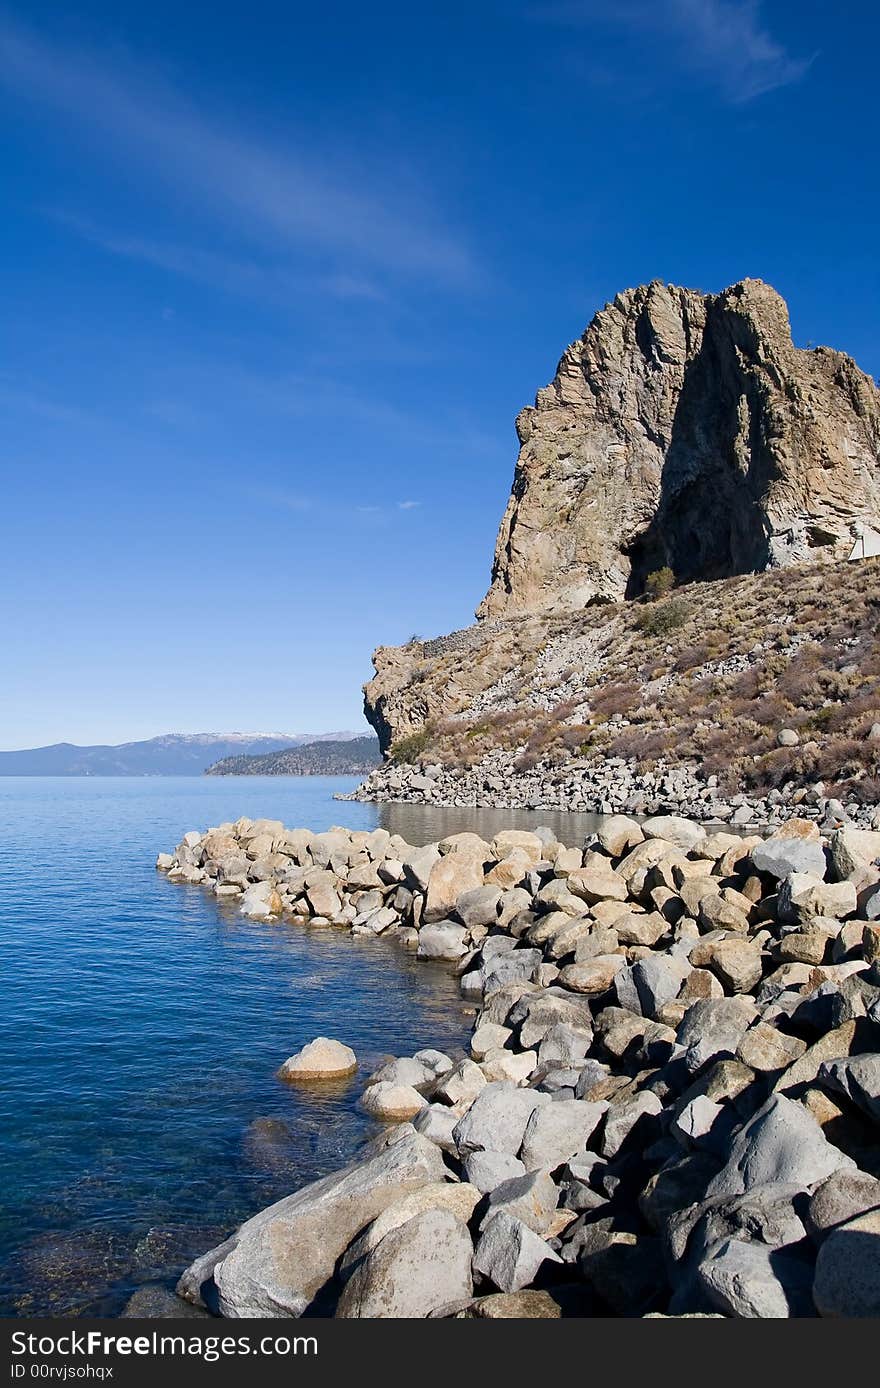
x,y
527,1305
766,1049
282,1256
444,939
631,1120
536,1013
847,1281
564,1045
641,928
516,1066
795,847
594,884
321,1059
466,843
531,1198
393,1103
497,1119
451,877
657,980
626,1270
520,839
858,1077
417,1268
682,833
617,833
510,967
509,1254
459,1198
593,976
488,1170
479,906
488,1036
736,963
843,1196
718,912
780,1145
804,896
418,866
749,1281
713,1028
261,901
436,1122
558,1131
460,1084
405,1070
853,850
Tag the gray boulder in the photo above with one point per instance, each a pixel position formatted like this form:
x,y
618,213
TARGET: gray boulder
x,y
750,1281
557,1131
796,847
417,867
419,1267
442,940
479,906
513,966
658,980
713,1027
497,1119
437,1122
564,1046
536,1013
632,1119
844,1196
284,1254
847,1279
782,1144
487,1170
509,1254
531,1197
858,1077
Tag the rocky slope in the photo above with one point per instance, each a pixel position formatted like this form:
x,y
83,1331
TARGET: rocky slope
x,y
743,699
672,1097
354,757
685,429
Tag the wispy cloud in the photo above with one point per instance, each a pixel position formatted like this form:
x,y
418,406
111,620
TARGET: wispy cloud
x,y
251,278
281,200
724,41
408,505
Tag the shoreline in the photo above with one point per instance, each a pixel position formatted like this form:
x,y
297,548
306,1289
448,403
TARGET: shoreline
x,y
609,787
671,1100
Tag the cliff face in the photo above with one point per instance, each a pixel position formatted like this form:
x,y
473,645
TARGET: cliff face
x,y
685,429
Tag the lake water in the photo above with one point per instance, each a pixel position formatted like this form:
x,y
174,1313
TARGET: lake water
x,y
141,1025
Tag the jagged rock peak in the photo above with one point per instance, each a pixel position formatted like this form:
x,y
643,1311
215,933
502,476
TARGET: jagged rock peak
x,y
685,429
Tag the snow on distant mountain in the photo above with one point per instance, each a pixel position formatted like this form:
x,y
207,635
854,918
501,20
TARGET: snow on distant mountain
x,y
171,754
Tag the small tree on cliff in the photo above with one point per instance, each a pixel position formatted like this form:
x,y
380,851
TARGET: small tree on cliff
x,y
659,584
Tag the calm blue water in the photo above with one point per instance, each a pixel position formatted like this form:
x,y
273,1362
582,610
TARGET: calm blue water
x,y
141,1025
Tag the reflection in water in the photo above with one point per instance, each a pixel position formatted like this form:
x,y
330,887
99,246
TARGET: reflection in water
x,y
420,824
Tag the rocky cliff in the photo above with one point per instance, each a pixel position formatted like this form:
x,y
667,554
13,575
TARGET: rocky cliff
x,y
685,429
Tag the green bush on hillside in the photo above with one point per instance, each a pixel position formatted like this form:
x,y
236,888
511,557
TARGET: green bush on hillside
x,y
659,584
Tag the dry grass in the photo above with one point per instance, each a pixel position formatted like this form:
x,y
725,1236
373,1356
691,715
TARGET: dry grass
x,y
817,671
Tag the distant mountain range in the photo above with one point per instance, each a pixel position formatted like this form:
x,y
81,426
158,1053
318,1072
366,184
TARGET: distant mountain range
x,y
342,757
172,754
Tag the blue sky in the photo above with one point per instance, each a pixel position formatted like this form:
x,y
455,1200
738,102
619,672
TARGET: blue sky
x,y
278,277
